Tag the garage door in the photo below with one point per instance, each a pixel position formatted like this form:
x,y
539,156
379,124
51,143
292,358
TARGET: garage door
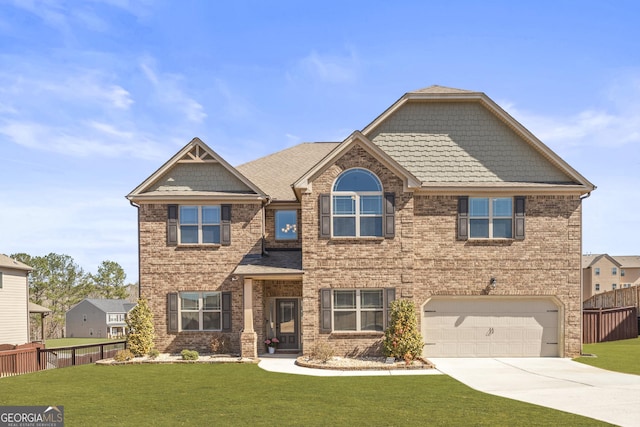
x,y
490,327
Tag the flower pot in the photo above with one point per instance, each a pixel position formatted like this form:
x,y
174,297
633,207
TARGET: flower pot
x,y
271,350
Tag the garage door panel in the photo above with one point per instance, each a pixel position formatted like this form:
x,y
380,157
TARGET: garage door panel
x,y
490,327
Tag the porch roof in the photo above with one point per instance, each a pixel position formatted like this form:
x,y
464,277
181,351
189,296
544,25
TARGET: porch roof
x,y
273,263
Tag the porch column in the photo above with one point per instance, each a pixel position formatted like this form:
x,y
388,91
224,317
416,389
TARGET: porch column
x,y
248,337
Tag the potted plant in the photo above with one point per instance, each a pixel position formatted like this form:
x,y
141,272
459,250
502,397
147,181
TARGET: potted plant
x,y
272,343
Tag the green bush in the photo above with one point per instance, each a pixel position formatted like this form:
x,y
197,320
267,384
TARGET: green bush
x,y
141,331
153,353
189,354
402,339
123,355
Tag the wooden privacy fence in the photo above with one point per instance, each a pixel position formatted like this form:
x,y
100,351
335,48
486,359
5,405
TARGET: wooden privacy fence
x,y
35,357
609,324
624,297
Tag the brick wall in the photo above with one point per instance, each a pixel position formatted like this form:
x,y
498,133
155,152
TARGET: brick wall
x,y
165,269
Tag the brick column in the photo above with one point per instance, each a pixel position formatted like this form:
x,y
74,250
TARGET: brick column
x,y
248,337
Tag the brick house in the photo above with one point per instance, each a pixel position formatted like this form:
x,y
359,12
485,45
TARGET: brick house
x,y
443,199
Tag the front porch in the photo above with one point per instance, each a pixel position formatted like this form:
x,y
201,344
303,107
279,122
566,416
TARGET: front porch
x,y
272,303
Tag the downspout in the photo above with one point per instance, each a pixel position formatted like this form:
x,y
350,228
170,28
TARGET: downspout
x,y
583,197
138,210
264,225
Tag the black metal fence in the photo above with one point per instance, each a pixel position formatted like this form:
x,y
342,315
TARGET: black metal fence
x,y
62,357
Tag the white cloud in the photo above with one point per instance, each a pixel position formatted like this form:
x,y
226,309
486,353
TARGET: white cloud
x,y
168,90
328,68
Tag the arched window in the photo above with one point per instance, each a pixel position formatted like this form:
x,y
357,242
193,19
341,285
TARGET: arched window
x,y
356,201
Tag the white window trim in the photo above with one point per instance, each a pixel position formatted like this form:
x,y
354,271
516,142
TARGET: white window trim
x,y
491,217
200,224
200,310
358,309
355,195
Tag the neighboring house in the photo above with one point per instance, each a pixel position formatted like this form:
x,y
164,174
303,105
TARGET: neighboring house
x,y
603,272
102,318
14,301
444,199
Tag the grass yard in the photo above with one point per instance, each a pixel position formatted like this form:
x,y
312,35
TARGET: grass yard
x,y
620,356
234,394
69,342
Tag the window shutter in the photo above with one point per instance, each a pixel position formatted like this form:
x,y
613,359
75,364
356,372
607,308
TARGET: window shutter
x,y
519,217
463,218
172,225
172,312
225,225
390,296
324,205
226,311
389,215
325,311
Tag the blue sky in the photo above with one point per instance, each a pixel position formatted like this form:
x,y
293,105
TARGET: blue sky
x,y
96,95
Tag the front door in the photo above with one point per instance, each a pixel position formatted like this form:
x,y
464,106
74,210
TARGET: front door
x,y
287,324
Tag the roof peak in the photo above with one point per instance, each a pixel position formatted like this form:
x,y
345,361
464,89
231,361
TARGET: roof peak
x,y
442,89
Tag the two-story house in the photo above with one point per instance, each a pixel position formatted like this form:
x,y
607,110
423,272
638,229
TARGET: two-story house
x,y
14,301
603,272
443,199
98,318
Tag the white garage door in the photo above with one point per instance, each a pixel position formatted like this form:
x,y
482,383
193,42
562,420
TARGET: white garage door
x,y
490,327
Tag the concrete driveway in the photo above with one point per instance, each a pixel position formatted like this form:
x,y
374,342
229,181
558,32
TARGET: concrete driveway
x,y
553,382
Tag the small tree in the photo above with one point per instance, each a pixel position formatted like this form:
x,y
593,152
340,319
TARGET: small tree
x,y
402,339
141,331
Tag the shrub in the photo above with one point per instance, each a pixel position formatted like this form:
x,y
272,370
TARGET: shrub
x,y
402,339
189,354
123,355
220,344
153,353
141,331
322,351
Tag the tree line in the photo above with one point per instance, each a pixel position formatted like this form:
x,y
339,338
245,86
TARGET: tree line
x,y
58,283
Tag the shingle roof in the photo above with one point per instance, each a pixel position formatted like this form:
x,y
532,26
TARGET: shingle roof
x,y
112,305
277,262
624,261
441,89
275,173
7,262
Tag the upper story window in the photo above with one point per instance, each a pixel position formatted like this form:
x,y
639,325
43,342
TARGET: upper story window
x,y
286,225
117,317
597,286
356,204
614,271
614,286
491,217
622,272
199,224
597,271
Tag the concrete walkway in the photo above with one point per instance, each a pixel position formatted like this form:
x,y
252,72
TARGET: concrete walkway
x,y
555,383
287,365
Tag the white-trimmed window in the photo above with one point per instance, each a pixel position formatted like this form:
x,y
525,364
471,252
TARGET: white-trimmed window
x,y
597,271
622,272
200,311
115,317
356,204
614,286
358,310
490,217
597,287
199,225
614,271
286,224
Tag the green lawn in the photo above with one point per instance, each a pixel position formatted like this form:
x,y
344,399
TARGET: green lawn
x,y
235,394
620,356
69,342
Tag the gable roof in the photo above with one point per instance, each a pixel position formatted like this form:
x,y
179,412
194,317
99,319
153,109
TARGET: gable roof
x,y
622,261
196,171
419,132
276,173
410,181
7,262
111,305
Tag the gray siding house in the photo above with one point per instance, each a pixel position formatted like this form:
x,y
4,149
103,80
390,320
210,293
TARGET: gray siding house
x,y
101,318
